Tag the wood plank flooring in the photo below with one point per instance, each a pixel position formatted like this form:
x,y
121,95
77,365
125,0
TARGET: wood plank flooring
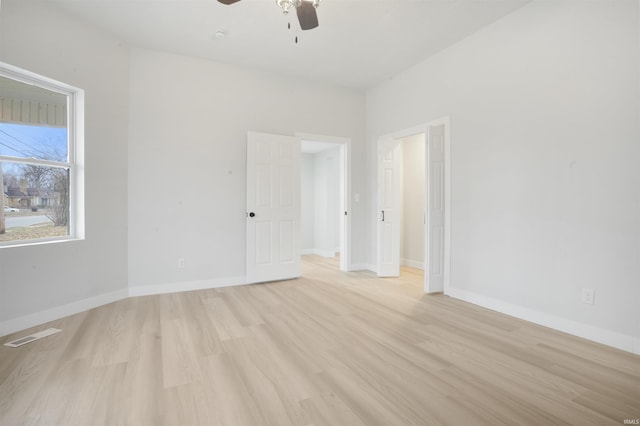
x,y
331,348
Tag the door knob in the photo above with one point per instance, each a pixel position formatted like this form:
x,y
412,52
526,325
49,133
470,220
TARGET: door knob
x,y
252,214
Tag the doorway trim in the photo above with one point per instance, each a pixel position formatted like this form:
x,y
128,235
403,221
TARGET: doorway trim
x,y
424,128
345,188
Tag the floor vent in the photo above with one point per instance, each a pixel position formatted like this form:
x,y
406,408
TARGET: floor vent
x,y
32,338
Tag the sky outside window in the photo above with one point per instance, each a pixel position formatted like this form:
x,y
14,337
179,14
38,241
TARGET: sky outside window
x,y
40,142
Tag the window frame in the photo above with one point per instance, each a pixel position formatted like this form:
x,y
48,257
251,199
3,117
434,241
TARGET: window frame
x,y
75,152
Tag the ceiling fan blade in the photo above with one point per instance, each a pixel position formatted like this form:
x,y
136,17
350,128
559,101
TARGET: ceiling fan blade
x,y
228,1
307,15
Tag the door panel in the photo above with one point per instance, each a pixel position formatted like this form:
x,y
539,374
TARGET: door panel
x,y
287,187
263,186
263,243
434,255
389,200
286,237
273,197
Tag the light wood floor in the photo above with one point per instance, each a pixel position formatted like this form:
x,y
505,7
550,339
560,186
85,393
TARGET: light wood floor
x,y
328,349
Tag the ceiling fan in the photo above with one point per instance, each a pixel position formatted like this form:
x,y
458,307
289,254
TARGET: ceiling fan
x,y
306,10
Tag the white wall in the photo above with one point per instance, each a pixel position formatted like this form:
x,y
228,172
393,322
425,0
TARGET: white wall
x,y
413,188
307,202
187,160
36,281
544,108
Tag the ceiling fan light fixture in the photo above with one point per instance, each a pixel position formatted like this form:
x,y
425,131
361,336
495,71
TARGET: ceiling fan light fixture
x,y
285,5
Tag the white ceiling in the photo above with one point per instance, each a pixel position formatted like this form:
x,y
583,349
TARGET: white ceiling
x,y
359,43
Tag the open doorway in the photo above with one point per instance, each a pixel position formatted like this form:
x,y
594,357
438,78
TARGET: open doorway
x,y
402,194
434,196
325,219
412,224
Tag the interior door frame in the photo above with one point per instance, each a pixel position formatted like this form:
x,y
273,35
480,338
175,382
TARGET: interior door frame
x,y
424,128
345,188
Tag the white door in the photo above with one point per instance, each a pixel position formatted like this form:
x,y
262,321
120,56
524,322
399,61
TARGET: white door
x,y
389,204
434,243
273,207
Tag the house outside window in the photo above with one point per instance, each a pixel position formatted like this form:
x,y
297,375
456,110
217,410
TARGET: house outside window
x,y
41,173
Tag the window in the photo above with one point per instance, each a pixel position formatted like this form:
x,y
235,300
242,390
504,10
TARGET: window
x,y
40,165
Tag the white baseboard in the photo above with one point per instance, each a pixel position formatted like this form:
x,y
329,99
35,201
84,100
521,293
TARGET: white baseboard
x,y
412,263
319,252
148,290
32,320
589,332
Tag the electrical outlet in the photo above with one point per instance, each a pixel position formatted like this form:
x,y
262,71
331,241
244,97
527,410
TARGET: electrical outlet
x,y
587,296
180,263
